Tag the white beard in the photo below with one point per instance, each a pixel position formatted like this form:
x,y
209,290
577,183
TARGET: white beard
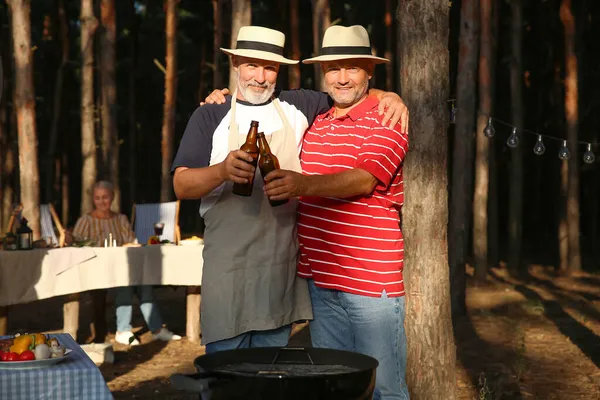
x,y
252,96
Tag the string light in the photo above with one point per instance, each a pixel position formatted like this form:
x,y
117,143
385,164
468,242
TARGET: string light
x,y
588,156
564,153
513,139
489,130
539,147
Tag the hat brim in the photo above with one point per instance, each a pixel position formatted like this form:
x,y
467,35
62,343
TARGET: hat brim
x,y
335,57
259,54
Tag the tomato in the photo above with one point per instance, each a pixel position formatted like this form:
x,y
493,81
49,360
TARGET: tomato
x,y
2,353
27,355
12,357
4,356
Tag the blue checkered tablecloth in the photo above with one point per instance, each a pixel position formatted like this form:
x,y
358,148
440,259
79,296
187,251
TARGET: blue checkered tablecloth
x,y
76,377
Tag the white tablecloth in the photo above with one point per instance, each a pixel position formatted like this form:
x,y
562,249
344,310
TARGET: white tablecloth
x,y
39,274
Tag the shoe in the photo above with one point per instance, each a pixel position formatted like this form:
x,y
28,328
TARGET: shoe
x,y
165,335
127,338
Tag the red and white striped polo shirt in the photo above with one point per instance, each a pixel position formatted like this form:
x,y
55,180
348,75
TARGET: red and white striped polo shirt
x,y
354,245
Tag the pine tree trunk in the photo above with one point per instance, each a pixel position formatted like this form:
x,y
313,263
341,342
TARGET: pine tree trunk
x,y
389,67
515,217
424,70
64,190
168,128
482,155
571,167
110,136
493,217
7,156
50,157
217,44
320,23
294,70
133,46
462,163
202,81
25,109
241,15
89,172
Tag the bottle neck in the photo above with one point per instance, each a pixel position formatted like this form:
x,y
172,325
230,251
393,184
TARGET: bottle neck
x,y
263,145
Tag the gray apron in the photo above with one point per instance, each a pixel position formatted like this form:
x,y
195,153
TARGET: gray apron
x,y
249,280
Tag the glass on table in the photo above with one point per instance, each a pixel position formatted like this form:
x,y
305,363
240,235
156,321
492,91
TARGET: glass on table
x,y
158,228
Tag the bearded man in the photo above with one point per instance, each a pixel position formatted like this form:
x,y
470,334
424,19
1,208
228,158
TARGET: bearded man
x,y
250,292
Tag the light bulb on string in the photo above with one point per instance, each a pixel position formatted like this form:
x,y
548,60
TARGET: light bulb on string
x,y
489,130
539,147
588,156
513,139
564,153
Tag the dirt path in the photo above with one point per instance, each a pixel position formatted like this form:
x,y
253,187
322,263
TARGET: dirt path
x,y
537,338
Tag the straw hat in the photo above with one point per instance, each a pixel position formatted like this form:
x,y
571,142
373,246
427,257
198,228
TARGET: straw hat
x,y
261,43
344,43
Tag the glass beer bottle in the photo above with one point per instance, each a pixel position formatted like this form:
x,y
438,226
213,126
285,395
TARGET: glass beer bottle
x,y
250,147
267,163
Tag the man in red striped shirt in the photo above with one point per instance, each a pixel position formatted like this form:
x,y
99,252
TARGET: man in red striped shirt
x,y
351,194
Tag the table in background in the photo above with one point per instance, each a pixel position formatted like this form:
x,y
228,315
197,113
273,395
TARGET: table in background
x,y
74,378
27,276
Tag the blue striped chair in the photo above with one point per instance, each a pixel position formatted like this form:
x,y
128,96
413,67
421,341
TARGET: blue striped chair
x,y
144,216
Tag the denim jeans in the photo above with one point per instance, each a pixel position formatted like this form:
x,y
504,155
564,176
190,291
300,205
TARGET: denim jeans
x,y
369,325
271,338
123,304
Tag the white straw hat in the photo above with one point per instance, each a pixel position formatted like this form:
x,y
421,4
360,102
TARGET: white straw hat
x,y
344,43
261,43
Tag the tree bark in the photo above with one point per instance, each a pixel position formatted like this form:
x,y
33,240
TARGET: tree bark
x,y
493,216
89,172
294,70
389,67
320,23
515,217
64,187
7,139
110,136
25,109
133,48
241,15
217,44
424,70
63,33
482,155
571,167
462,163
168,128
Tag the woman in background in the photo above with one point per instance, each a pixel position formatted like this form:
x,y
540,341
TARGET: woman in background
x,y
98,226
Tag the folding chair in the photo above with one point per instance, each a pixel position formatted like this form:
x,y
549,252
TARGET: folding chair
x,y
144,216
48,217
15,217
48,222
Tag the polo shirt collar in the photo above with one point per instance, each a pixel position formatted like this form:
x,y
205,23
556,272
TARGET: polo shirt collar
x,y
358,111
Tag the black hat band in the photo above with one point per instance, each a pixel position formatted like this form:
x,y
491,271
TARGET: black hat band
x,y
343,50
252,45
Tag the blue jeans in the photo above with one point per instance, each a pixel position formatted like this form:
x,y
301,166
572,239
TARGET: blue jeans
x,y
123,304
271,338
369,325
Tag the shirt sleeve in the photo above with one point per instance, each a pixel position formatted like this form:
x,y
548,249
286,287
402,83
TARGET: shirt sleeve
x,y
382,153
196,144
126,230
311,103
82,229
